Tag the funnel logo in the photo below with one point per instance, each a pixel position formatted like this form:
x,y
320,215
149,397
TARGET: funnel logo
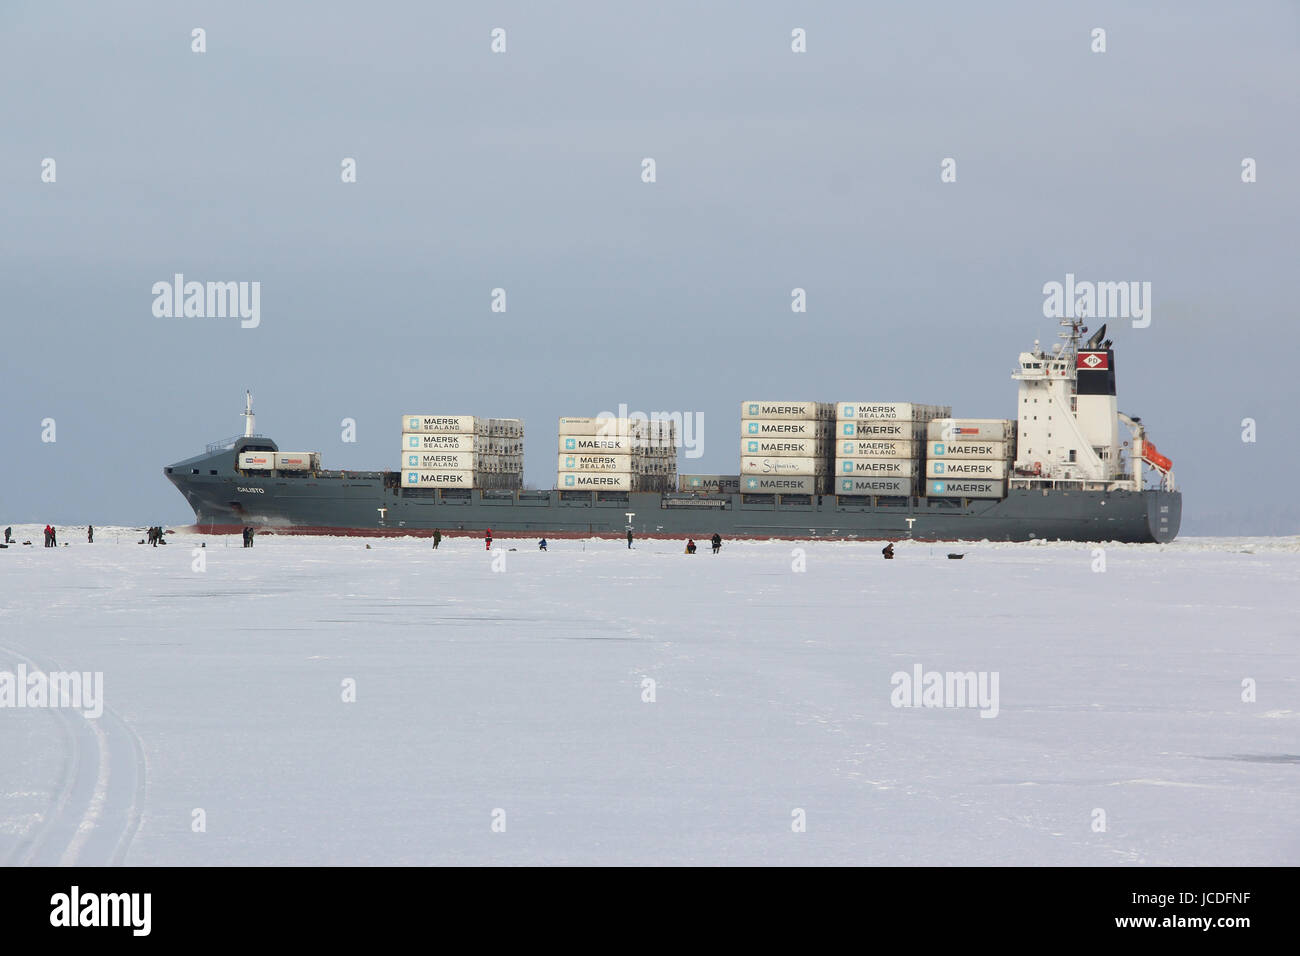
x,y
1091,361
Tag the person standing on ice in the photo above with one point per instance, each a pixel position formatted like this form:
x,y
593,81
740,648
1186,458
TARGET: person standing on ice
x,y
54,537
47,536
90,534
629,539
717,542
8,535
487,539
437,538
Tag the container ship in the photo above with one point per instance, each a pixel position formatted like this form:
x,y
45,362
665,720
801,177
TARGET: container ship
x,y
1070,466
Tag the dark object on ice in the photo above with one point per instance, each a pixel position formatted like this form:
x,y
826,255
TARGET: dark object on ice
x,y
888,551
955,557
90,534
367,547
437,538
9,535
541,545
629,539
717,542
248,537
690,546
487,539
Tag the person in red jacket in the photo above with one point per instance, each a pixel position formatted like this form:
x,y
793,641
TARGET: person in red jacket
x,y
487,539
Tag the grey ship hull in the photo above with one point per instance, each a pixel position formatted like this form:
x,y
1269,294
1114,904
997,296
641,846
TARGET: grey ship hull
x,y
371,503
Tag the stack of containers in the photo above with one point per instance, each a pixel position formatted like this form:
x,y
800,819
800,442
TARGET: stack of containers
x,y
969,457
462,451
786,447
605,453
878,446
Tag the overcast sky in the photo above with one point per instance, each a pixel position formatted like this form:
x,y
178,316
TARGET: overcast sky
x,y
522,171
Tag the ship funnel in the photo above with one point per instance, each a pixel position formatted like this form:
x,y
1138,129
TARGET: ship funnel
x,y
248,414
1096,337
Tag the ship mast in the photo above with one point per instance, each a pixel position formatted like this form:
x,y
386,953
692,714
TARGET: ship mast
x,y
249,422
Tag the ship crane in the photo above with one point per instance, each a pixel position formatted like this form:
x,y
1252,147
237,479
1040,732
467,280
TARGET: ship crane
x,y
1145,450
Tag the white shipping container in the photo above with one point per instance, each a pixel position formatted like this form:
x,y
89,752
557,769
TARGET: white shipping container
x,y
876,430
964,488
785,411
971,429
702,483
784,447
417,441
293,460
593,481
256,460
876,467
442,460
595,443
783,466
879,448
1000,450
438,478
890,411
442,424
966,468
875,486
659,431
782,428
577,462
783,485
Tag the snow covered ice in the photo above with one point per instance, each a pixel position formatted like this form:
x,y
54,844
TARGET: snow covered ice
x,y
522,690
